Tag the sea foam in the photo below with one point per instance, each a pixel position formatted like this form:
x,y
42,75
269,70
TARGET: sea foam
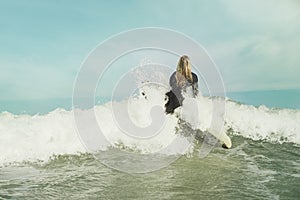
x,y
38,137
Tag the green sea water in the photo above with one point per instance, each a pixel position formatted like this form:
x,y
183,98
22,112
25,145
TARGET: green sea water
x,y
250,170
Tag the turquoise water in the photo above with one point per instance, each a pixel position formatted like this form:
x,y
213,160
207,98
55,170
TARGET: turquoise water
x,y
269,98
40,106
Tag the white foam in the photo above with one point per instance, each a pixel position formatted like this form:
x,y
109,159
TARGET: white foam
x,y
141,113
27,138
24,137
262,123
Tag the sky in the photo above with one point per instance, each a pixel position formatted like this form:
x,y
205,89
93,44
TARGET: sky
x,y
254,43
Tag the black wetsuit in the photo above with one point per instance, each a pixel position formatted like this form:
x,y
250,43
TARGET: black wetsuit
x,y
175,97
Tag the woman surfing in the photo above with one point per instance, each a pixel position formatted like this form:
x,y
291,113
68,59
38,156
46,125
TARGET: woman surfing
x,y
183,80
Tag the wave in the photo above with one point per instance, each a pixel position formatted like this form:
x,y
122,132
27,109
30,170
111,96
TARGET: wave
x,y
262,123
38,137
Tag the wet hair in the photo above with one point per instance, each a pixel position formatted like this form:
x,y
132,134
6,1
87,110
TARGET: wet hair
x,y
183,71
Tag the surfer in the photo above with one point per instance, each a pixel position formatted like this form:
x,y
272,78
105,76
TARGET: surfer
x,y
183,80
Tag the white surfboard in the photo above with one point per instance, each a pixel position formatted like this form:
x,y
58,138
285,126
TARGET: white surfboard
x,y
222,137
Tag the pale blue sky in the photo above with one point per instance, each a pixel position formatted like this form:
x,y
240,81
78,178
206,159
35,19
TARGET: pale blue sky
x,y
254,43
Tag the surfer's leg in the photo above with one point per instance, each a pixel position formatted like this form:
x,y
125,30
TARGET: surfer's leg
x,y
172,103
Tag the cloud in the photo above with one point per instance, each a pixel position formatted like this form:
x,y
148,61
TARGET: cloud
x,y
264,15
261,53
258,63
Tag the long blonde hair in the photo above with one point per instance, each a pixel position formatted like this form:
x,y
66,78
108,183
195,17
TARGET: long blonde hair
x,y
183,71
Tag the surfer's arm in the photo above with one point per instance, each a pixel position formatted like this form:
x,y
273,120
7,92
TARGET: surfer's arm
x,y
195,84
172,81
195,89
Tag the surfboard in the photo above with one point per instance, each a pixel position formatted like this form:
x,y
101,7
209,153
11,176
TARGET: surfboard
x,y
222,137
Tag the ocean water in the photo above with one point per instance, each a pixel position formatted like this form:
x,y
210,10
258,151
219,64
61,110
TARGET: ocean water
x,y
270,98
43,156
